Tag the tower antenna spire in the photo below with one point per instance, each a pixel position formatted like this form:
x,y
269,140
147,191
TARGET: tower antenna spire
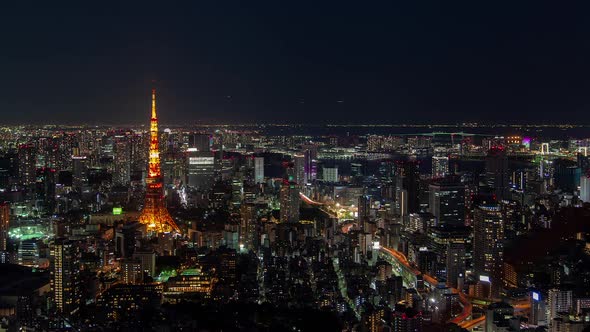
x,y
154,115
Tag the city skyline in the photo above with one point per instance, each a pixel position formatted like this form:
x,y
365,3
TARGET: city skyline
x,y
293,166
415,232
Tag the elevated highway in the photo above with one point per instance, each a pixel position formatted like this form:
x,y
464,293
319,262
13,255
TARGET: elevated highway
x,y
410,274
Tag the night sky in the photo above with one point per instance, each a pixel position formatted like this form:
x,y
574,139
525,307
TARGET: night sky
x,y
295,61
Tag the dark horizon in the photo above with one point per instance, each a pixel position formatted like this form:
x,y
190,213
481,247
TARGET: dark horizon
x,y
295,63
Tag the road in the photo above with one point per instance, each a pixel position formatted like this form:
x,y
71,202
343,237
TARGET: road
x,y
323,207
462,318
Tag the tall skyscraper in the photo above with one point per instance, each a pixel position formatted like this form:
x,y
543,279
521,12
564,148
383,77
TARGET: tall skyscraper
x,y
259,169
455,264
4,225
45,189
559,301
447,202
154,213
27,163
538,311
585,188
488,245
248,225
139,154
364,208
497,171
122,160
311,153
408,177
401,201
79,170
299,169
440,167
289,202
65,277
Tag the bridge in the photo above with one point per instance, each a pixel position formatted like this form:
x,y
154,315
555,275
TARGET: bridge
x,y
401,266
409,274
441,133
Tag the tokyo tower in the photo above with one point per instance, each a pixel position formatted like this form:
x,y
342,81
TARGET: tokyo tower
x,y
154,213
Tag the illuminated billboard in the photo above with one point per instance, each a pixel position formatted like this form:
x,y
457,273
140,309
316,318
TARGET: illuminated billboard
x,y
484,278
536,296
117,210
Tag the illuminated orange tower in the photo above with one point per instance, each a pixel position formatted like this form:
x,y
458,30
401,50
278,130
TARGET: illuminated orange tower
x,y
154,213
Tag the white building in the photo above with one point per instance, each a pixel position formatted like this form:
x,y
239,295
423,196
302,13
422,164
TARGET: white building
x,y
259,169
559,301
585,188
440,167
330,174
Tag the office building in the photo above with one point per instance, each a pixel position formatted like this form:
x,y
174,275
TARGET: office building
x,y
330,174
447,202
559,301
27,163
440,167
147,258
199,142
566,175
408,179
200,169
127,301
248,225
497,175
408,320
585,188
65,277
258,170
131,271
310,153
80,165
499,318
299,169
455,264
191,283
122,160
289,197
538,310
364,209
488,245
28,253
4,225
